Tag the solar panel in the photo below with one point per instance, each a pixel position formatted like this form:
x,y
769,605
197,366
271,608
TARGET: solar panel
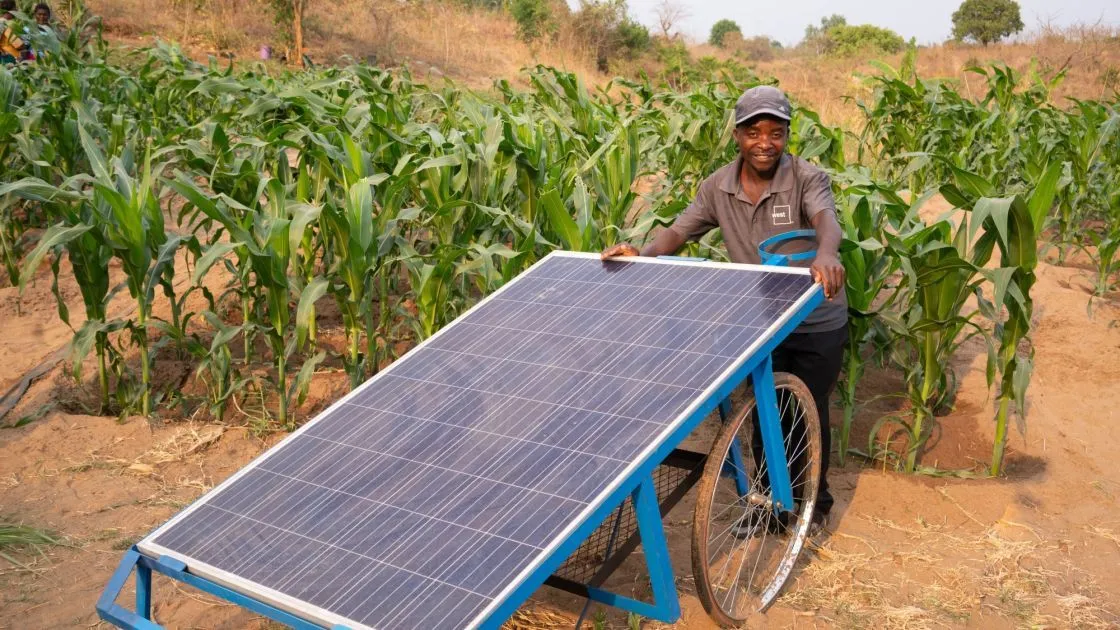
x,y
424,497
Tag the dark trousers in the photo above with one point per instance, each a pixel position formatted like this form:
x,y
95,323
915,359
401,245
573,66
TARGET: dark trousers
x,y
815,358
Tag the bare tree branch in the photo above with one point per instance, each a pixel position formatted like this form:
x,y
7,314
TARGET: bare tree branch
x,y
669,15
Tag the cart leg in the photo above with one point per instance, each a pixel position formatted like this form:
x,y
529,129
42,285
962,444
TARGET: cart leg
x,y
143,591
725,410
656,550
666,606
773,441
733,467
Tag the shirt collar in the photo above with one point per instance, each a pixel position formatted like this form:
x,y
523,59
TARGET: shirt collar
x,y
782,182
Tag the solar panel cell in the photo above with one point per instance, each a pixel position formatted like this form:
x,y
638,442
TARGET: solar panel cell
x,y
418,500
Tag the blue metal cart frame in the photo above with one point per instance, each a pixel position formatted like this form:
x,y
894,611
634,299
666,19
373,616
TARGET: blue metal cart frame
x,y
639,487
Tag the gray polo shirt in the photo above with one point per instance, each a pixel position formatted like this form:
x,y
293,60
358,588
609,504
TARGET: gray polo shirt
x,y
798,192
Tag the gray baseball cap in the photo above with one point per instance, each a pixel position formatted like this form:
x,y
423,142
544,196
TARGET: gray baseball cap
x,y
762,99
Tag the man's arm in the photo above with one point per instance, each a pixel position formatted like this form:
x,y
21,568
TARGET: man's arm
x,y
826,267
696,220
666,243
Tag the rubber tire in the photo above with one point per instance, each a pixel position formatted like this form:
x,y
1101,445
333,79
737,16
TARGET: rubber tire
x,y
706,493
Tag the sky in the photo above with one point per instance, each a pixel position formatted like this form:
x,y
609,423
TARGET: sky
x,y
929,21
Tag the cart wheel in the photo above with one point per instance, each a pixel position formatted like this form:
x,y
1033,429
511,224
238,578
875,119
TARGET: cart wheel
x,y
743,547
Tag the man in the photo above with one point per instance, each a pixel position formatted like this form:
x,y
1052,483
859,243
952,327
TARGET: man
x,y
765,192
11,47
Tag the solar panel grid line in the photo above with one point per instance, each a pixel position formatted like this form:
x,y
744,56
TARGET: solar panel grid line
x,y
480,355
554,376
605,371
327,545
634,319
580,338
419,514
430,465
510,397
738,293
544,420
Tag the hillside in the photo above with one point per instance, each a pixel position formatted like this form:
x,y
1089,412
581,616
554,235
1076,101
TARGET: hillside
x,y
476,46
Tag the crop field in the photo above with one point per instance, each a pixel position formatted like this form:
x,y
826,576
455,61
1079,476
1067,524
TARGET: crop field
x,y
218,240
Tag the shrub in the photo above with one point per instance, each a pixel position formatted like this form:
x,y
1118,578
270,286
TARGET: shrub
x,y
758,48
533,18
849,40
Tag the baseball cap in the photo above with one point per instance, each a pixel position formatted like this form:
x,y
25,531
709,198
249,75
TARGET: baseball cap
x,y
762,99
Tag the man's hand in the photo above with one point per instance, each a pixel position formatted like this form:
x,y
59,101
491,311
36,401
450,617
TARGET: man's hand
x,y
619,249
828,271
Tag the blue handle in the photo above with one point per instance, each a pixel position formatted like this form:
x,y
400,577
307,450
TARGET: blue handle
x,y
780,260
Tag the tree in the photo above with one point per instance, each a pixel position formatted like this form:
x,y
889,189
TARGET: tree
x,y
533,18
815,36
608,29
721,28
669,14
986,21
289,17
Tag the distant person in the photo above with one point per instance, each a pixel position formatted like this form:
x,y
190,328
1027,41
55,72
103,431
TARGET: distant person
x,y
42,14
764,192
45,29
12,48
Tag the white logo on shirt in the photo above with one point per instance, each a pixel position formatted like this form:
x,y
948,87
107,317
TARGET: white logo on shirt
x,y
781,215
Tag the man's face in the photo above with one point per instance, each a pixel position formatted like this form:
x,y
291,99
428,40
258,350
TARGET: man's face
x,y
42,16
762,141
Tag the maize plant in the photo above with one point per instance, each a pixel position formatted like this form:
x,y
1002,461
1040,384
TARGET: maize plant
x,y
930,324
406,203
1009,224
866,212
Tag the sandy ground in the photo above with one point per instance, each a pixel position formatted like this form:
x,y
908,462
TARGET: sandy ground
x,y
1038,548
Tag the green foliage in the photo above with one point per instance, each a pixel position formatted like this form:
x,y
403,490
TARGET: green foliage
x,y
403,204
533,17
986,21
607,28
815,38
22,537
720,30
680,71
633,37
848,40
758,48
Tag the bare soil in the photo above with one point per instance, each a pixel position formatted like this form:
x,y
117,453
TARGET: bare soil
x,y
1039,547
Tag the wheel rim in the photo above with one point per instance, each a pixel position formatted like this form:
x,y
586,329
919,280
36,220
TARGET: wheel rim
x,y
747,548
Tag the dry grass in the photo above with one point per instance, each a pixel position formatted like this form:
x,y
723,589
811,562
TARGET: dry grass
x,y
949,578
200,26
1090,55
473,45
432,38
477,46
538,616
